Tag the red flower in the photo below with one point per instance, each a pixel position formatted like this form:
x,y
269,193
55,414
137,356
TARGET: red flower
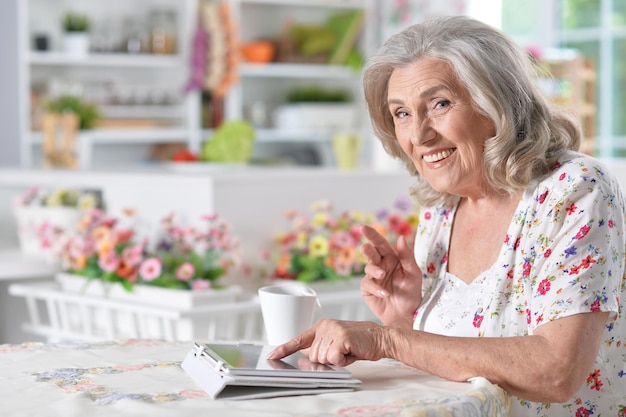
x,y
583,232
542,197
430,268
478,320
571,209
428,215
593,380
544,287
595,306
562,176
574,270
399,226
547,253
586,263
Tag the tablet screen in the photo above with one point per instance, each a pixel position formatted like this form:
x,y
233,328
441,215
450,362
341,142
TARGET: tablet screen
x,y
251,359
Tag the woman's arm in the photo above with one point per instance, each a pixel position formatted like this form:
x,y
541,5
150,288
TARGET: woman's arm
x,y
549,366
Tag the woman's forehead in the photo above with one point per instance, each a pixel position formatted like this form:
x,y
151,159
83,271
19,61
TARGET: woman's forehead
x,y
422,75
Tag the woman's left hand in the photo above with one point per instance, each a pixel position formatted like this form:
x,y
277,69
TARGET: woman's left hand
x,y
337,342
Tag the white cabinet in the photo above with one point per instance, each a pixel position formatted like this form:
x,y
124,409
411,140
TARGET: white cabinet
x,y
140,94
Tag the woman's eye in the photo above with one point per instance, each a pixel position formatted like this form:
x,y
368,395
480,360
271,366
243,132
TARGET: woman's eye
x,y
441,104
401,114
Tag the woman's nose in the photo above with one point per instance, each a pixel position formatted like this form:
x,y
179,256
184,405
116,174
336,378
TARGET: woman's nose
x,y
424,132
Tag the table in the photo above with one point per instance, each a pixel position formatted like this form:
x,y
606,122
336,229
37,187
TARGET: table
x,y
143,378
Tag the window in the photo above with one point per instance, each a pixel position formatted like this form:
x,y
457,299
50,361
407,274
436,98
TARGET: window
x,y
597,28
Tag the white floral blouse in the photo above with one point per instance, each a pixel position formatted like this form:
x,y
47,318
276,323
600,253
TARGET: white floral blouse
x,y
563,254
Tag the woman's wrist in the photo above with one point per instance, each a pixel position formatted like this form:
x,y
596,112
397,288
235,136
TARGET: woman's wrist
x,y
394,340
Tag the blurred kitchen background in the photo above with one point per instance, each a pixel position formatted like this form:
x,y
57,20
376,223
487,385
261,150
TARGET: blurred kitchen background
x,y
153,80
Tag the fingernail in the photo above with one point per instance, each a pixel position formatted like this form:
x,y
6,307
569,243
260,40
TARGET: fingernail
x,y
382,293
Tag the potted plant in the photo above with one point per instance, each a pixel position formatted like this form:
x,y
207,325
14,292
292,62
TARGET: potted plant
x,y
88,113
181,268
316,107
42,216
325,246
75,33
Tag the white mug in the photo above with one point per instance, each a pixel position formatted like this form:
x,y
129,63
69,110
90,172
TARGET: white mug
x,y
288,310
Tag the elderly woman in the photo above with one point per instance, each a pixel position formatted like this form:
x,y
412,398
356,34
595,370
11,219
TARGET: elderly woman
x,y
517,268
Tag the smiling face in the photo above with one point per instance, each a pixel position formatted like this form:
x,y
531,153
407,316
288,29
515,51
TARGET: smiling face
x,y
438,128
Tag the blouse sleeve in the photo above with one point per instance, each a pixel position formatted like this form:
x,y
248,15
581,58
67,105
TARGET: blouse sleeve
x,y
573,244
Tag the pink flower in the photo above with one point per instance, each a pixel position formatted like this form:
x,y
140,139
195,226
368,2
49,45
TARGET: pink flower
x,y
132,255
109,262
150,269
200,285
185,271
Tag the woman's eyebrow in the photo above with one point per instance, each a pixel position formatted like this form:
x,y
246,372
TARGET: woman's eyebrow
x,y
432,90
429,91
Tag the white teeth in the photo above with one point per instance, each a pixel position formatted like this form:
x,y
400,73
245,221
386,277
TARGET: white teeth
x,y
435,157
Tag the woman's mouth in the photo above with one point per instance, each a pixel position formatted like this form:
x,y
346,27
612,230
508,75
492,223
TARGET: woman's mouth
x,y
438,156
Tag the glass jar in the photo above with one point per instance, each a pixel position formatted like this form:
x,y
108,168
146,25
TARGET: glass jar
x,y
162,31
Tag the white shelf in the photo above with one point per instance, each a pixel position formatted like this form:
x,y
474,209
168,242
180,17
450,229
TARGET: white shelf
x,y
340,4
173,111
129,136
105,60
280,70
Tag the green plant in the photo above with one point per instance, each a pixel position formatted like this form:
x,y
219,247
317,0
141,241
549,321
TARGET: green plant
x,y
317,94
87,113
75,22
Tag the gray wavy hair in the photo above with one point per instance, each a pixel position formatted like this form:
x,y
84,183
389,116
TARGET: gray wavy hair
x,y
530,131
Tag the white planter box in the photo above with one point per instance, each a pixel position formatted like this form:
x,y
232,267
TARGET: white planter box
x,y
94,310
36,226
304,116
143,294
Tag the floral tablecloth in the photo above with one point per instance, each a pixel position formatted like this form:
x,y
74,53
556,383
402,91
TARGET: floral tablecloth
x,y
144,378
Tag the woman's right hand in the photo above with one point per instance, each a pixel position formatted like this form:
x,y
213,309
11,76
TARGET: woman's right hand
x,y
392,286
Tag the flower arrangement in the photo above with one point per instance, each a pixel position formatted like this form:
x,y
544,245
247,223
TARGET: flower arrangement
x,y
43,215
187,258
326,245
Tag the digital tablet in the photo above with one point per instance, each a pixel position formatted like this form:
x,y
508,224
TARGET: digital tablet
x,y
250,359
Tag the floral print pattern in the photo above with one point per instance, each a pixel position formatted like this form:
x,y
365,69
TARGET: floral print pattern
x,y
563,254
